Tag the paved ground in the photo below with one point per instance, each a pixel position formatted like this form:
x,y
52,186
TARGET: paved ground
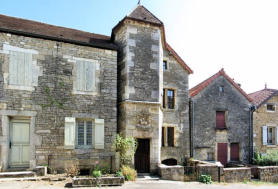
x,y
136,185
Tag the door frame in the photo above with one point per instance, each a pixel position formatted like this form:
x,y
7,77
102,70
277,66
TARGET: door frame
x,y
18,120
149,154
6,116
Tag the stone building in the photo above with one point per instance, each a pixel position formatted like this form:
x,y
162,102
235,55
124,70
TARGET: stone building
x,y
265,120
220,120
65,93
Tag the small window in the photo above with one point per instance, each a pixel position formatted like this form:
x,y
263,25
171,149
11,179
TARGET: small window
x,y
165,65
169,98
270,107
220,120
270,136
84,133
20,68
221,90
210,156
168,136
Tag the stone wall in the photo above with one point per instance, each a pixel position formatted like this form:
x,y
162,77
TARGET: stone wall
x,y
171,172
232,175
262,117
55,72
206,103
176,77
268,174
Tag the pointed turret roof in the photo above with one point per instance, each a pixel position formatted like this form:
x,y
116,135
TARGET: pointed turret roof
x,y
143,14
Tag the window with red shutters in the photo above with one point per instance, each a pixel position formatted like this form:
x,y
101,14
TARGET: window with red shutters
x,y
220,120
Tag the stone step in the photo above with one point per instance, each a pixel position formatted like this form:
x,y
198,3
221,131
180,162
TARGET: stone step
x,y
18,174
147,177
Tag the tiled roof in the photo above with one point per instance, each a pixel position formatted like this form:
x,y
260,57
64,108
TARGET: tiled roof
x,y
260,97
179,59
143,14
198,88
41,30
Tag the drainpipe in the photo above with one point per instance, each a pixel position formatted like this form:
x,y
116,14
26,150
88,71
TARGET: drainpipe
x,y
191,127
251,148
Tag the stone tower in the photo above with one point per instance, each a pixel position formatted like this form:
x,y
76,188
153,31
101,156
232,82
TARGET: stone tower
x,y
140,75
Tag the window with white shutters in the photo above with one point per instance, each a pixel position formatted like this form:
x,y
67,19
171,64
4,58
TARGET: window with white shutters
x,y
85,76
20,68
84,133
264,131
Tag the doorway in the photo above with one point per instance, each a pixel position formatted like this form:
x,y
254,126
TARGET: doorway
x,y
19,146
142,156
222,153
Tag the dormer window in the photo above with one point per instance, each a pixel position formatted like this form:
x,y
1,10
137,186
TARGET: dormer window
x,y
271,107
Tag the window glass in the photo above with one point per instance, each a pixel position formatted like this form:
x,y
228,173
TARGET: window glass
x,y
84,133
270,107
270,135
165,65
170,98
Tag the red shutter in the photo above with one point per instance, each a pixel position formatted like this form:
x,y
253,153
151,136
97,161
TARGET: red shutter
x,y
164,98
170,136
235,152
220,120
162,142
222,150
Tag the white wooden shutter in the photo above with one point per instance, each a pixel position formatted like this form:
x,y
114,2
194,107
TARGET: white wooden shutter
x,y
28,69
80,75
13,68
276,135
99,134
69,132
90,76
264,134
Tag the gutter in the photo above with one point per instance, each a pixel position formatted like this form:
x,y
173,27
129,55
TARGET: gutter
x,y
191,127
251,147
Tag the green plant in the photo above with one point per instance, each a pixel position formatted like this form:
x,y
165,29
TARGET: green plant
x,y
105,170
205,179
126,147
96,173
119,174
268,159
129,173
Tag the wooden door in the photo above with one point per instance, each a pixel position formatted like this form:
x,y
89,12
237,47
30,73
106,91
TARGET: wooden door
x,y
142,156
19,144
222,153
234,151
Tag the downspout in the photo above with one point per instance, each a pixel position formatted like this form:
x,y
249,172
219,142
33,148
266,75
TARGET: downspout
x,y
191,127
251,148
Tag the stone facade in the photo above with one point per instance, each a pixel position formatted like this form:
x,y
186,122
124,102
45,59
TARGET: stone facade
x,y
268,174
54,76
232,175
237,116
263,117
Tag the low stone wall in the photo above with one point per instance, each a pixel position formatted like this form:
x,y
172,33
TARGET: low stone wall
x,y
210,169
171,172
97,182
268,174
236,175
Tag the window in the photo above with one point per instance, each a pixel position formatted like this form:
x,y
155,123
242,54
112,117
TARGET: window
x,y
165,65
169,98
81,133
20,68
271,107
210,156
85,76
168,136
84,133
220,120
221,90
270,137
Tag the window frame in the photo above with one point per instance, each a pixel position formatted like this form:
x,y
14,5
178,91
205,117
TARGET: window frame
x,y
221,90
165,136
85,145
272,135
165,103
271,104
166,65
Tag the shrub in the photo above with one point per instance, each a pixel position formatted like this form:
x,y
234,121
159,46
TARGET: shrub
x,y
205,179
129,173
119,174
73,170
268,159
96,173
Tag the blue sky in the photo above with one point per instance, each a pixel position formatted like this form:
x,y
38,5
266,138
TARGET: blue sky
x,y
237,35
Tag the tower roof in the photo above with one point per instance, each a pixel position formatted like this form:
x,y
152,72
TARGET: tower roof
x,y
143,14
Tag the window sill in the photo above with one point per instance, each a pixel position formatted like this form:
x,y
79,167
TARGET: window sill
x,y
20,87
221,129
271,145
168,110
84,93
